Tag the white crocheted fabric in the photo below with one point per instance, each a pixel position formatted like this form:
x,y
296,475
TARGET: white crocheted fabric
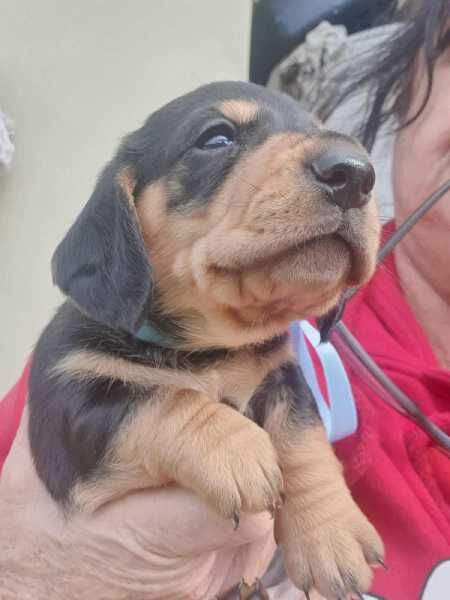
x,y
304,74
6,142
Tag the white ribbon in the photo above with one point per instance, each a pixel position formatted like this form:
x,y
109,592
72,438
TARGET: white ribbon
x,y
339,417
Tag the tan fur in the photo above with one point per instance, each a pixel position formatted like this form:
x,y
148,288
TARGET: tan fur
x,y
239,111
265,252
126,182
326,540
89,365
236,377
169,419
187,438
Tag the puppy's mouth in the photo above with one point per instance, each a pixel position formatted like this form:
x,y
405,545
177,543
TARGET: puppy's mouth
x,y
334,250
339,252
277,272
304,280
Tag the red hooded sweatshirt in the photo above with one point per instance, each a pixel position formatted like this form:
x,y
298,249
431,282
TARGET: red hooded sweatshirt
x,y
398,476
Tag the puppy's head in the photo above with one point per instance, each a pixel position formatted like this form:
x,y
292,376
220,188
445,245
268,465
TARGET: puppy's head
x,y
231,212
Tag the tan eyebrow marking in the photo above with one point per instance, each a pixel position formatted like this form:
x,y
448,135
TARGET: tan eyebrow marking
x,y
239,111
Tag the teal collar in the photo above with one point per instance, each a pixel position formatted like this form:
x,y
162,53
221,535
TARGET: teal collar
x,y
150,334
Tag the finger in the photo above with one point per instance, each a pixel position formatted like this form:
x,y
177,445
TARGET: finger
x,y
176,521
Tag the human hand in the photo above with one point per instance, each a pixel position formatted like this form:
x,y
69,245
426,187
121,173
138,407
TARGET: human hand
x,y
160,544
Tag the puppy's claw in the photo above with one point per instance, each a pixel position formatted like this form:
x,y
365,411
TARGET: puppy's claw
x,y
306,594
257,592
258,585
236,520
238,592
243,591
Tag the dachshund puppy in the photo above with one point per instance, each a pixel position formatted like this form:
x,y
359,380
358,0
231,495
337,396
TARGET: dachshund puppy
x,y
229,214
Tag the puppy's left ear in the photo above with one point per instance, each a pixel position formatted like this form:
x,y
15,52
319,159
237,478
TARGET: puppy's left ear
x,y
101,264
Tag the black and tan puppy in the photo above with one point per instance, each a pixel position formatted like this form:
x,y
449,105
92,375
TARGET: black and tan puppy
x,y
230,213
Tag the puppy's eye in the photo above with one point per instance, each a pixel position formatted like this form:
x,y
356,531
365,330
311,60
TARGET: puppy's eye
x,y
215,138
217,141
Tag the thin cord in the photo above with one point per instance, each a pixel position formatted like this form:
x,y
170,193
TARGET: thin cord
x,y
413,218
405,228
408,405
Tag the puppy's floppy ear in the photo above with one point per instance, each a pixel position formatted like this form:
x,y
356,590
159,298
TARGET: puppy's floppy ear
x,y
101,264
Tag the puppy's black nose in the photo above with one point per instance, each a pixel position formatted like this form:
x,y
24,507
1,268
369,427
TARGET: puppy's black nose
x,y
347,177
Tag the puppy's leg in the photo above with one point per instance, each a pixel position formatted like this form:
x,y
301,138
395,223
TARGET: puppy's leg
x,y
203,445
326,540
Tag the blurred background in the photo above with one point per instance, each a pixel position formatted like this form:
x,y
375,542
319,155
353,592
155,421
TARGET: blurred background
x,y
76,76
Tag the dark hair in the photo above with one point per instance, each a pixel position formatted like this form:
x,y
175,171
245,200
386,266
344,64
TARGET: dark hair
x,y
390,70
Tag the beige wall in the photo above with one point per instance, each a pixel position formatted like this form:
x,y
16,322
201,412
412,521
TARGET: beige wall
x,y
75,76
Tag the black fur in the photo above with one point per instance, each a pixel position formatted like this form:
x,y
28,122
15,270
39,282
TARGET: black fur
x,y
197,179
101,264
285,384
71,422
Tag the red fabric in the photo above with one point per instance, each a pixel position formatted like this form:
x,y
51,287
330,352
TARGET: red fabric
x,y
398,476
11,408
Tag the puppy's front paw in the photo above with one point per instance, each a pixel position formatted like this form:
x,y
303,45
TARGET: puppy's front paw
x,y
233,466
242,474
330,548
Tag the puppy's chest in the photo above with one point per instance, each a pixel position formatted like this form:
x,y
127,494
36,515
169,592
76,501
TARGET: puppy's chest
x,y
237,380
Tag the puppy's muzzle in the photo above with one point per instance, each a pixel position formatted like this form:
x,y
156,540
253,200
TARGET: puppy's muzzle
x,y
346,176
